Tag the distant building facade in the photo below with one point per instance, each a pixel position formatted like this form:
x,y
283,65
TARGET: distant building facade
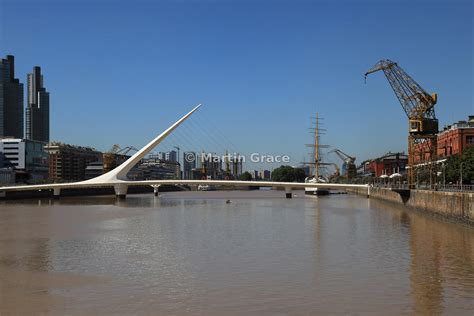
x,y
28,158
388,164
11,100
108,162
68,162
37,110
266,175
255,174
94,169
155,168
7,176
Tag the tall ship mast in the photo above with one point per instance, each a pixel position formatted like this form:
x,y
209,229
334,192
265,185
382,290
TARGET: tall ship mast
x,y
316,149
316,160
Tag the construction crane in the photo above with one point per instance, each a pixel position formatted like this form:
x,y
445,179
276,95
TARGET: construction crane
x,y
115,148
115,156
348,168
419,107
126,150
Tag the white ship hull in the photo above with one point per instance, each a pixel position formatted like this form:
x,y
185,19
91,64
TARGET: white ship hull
x,y
315,191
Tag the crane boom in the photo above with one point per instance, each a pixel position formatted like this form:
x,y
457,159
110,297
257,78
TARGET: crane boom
x,y
349,168
416,102
344,157
419,107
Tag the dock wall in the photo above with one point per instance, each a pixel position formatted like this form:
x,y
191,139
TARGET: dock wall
x,y
453,205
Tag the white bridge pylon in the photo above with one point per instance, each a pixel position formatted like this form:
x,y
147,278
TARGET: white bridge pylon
x,y
117,178
119,174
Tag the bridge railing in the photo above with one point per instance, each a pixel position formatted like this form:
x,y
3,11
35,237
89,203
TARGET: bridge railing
x,y
456,187
437,187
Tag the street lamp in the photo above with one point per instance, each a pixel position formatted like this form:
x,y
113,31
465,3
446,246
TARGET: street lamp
x,y
179,165
417,178
444,175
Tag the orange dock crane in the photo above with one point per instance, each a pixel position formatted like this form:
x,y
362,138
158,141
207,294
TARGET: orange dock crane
x,y
422,122
348,168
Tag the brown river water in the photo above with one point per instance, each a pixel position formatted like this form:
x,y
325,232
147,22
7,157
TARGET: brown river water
x,y
191,253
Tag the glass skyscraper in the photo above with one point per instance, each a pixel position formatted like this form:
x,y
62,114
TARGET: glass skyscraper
x,y
11,100
37,110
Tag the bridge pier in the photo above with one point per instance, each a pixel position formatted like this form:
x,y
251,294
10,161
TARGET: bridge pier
x,y
288,193
120,191
156,189
3,194
56,193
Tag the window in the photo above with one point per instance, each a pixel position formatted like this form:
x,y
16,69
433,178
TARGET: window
x,y
470,139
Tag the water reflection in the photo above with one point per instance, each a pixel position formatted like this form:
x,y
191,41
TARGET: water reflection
x,y
192,253
442,261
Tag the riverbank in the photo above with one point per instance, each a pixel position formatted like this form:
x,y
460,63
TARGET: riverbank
x,y
456,206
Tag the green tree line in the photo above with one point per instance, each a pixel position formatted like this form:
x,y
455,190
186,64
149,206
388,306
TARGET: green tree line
x,y
288,174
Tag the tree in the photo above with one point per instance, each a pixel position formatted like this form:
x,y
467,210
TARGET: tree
x,y
246,176
453,167
288,174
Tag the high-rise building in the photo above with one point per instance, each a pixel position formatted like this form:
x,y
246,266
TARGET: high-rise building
x,y
210,165
11,100
37,110
255,174
171,156
167,156
237,165
189,163
266,175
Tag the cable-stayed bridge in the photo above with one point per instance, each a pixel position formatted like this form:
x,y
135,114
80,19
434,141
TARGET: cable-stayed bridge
x,y
117,178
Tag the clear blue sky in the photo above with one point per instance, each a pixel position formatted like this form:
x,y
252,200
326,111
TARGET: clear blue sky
x,y
121,71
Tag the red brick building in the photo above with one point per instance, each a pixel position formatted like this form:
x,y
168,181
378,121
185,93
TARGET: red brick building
x,y
422,151
68,162
455,138
388,164
452,140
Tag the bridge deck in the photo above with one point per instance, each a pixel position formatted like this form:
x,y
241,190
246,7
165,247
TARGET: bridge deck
x,y
84,184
